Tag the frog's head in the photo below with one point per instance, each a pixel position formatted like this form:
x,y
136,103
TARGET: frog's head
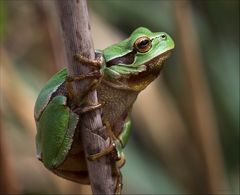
x,y
136,62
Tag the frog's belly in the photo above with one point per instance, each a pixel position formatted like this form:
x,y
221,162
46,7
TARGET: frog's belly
x,y
117,102
74,169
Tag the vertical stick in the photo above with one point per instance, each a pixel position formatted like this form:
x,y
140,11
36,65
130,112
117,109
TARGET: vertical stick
x,y
76,34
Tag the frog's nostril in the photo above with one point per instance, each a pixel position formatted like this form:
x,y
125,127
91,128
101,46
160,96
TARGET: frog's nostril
x,y
163,36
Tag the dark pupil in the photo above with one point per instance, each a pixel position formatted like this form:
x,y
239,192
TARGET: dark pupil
x,y
143,43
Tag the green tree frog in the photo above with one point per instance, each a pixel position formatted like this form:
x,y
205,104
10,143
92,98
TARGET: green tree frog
x,y
126,69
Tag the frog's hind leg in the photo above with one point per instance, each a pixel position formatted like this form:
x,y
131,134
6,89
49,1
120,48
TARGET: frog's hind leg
x,y
114,144
54,151
117,156
116,150
117,143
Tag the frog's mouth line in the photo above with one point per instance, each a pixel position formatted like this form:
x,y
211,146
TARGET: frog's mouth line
x,y
158,60
140,80
153,66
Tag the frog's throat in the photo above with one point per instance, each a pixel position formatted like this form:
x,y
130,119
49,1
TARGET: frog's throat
x,y
139,81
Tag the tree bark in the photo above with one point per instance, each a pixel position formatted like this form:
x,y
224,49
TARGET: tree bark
x,y
76,34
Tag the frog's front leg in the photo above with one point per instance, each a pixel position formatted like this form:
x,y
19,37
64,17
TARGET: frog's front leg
x,y
96,76
86,61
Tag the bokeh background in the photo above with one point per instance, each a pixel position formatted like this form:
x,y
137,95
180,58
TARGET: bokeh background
x,y
185,137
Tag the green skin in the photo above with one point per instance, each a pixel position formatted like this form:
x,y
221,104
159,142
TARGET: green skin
x,y
127,70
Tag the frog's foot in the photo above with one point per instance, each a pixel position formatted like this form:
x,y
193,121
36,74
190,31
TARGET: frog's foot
x,y
115,149
116,171
86,61
119,184
88,108
118,158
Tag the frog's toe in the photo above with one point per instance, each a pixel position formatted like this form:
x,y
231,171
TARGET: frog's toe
x,y
120,163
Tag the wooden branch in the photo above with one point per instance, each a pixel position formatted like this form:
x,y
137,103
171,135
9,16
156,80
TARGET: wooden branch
x,y
76,34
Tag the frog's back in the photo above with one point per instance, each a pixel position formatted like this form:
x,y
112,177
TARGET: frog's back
x,y
56,142
46,93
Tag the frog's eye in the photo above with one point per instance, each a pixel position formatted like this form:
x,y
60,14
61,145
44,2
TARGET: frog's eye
x,y
143,44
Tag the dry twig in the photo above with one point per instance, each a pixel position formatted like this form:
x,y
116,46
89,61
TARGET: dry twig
x,y
76,35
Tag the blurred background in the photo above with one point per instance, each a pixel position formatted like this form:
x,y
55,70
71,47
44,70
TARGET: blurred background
x,y
185,137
